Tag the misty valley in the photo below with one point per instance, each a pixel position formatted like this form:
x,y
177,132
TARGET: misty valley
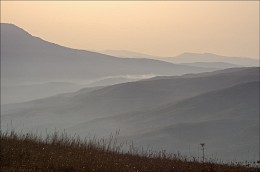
x,y
171,104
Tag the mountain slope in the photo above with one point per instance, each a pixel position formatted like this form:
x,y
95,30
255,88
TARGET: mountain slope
x,y
29,57
227,120
26,59
237,102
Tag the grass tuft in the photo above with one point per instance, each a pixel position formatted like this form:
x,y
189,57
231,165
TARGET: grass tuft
x,y
60,152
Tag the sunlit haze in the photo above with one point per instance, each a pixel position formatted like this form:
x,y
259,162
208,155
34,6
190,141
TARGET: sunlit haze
x,y
155,28
130,85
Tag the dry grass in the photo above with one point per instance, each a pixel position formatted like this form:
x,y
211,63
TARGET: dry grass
x,y
62,153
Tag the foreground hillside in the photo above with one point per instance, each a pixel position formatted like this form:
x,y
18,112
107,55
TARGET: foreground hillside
x,y
61,153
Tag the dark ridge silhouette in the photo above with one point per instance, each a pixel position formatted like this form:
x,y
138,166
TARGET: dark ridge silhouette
x,y
62,153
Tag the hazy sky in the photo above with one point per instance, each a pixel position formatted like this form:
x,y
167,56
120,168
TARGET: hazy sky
x,y
158,28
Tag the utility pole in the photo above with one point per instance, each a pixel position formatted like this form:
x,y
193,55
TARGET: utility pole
x,y
203,153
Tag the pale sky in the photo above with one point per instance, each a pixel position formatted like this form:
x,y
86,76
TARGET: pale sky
x,y
166,28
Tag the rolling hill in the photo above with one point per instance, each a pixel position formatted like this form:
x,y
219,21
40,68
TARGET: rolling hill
x,y
118,99
227,120
172,113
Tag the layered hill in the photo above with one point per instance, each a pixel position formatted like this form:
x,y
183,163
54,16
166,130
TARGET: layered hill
x,y
174,113
122,98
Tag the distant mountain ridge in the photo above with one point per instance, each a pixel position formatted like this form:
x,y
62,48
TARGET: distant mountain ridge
x,y
192,59
209,57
